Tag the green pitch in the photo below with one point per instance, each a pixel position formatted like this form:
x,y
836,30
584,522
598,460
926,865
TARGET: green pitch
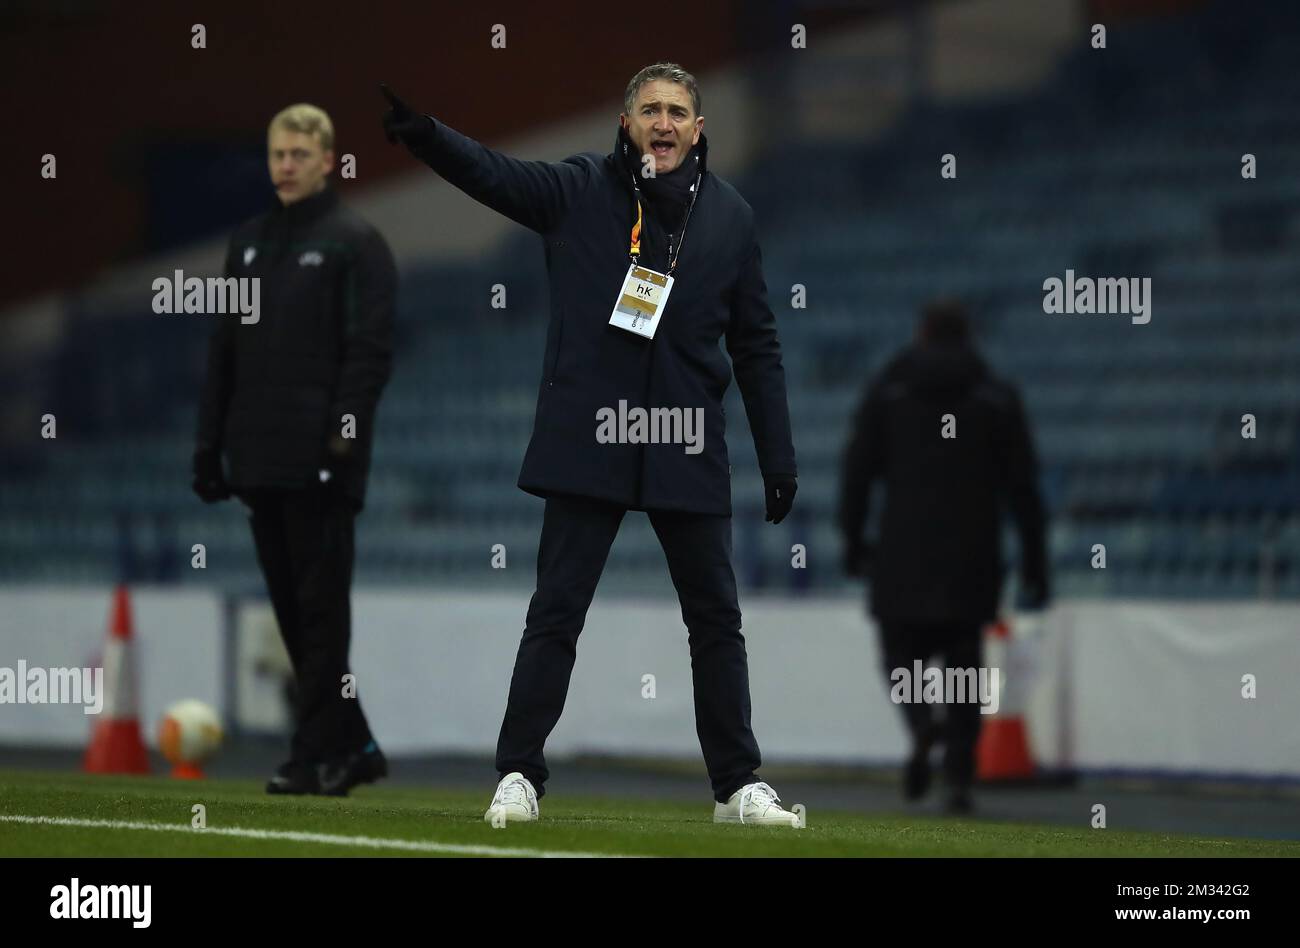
x,y
152,816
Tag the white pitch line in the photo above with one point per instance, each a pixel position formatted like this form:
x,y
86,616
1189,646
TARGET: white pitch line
x,y
369,842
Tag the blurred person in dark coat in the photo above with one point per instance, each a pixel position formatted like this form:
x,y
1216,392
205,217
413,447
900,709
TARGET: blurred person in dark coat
x,y
936,569
289,402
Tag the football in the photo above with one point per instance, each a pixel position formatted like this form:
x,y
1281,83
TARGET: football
x,y
189,733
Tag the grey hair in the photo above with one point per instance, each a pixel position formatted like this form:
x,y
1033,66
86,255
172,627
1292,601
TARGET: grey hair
x,y
669,71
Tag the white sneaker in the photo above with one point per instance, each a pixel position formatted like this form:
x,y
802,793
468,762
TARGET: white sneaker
x,y
757,804
515,799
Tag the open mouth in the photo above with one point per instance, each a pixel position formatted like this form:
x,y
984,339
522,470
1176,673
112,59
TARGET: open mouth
x,y
661,148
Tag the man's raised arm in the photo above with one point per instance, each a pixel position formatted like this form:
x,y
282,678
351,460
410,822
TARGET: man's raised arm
x,y
536,194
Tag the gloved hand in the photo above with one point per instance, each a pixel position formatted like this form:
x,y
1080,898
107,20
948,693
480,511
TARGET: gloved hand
x,y
780,490
857,558
402,124
209,481
339,452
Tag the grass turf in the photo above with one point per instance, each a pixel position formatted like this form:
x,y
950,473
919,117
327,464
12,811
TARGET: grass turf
x,y
589,825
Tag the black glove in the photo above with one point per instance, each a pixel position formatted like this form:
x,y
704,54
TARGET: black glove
x,y
402,124
780,490
209,482
857,558
337,465
337,460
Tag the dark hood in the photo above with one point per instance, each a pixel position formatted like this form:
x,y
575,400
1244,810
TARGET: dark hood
x,y
942,371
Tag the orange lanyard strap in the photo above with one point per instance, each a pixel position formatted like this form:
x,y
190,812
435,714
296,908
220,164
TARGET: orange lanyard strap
x,y
634,250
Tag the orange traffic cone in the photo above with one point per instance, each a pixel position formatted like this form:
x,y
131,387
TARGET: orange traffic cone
x,y
116,746
1003,749
187,772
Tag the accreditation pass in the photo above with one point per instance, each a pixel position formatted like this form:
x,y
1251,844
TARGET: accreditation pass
x,y
641,301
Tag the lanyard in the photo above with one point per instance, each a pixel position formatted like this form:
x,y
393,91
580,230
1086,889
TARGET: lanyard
x,y
634,250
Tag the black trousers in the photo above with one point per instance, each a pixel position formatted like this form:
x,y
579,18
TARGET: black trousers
x,y
304,544
960,645
576,536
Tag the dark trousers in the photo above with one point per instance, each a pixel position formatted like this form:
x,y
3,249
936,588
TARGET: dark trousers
x,y
304,544
960,645
576,537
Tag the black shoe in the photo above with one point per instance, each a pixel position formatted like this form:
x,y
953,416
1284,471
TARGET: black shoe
x,y
339,776
960,802
294,777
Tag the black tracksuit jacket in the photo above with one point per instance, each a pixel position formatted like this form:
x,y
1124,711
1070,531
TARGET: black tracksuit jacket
x,y
322,348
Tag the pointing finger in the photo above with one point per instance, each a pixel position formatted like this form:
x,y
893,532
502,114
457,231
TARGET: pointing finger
x,y
391,96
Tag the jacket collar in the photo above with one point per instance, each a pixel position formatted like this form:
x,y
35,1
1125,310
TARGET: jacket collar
x,y
627,156
309,208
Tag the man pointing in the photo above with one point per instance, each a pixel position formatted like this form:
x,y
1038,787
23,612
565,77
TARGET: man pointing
x,y
652,260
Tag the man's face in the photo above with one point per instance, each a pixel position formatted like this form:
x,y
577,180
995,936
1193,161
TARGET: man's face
x,y
663,123
298,164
